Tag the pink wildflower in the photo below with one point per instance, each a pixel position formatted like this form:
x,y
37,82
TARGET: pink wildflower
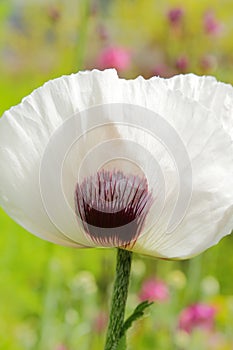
x,y
197,316
160,70
102,32
61,347
212,26
54,14
208,63
154,290
100,322
175,15
182,63
114,57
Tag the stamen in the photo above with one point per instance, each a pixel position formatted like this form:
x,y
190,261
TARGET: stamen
x,y
113,207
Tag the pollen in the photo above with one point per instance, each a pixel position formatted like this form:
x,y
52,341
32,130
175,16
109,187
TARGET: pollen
x,y
112,207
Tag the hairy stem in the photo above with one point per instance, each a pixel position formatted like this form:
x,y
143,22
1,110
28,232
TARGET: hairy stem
x,y
119,297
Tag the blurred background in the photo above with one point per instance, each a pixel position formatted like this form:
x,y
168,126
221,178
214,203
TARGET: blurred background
x,y
55,298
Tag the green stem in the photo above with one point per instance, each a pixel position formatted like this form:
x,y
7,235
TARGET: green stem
x,y
119,297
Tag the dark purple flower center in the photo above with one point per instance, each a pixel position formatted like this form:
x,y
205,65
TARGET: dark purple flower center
x,y
113,207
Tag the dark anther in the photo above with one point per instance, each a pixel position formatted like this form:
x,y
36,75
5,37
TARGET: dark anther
x,y
113,207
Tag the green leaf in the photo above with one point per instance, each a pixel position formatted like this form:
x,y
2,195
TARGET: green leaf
x,y
138,313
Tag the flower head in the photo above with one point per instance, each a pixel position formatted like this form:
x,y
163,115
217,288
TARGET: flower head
x,y
161,70
175,15
182,63
197,316
102,32
54,14
208,63
92,160
212,25
114,57
100,322
154,290
61,347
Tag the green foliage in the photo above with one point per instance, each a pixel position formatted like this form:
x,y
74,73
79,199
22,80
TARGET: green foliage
x,y
137,313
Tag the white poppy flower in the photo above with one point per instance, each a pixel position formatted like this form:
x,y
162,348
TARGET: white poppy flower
x,y
93,160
